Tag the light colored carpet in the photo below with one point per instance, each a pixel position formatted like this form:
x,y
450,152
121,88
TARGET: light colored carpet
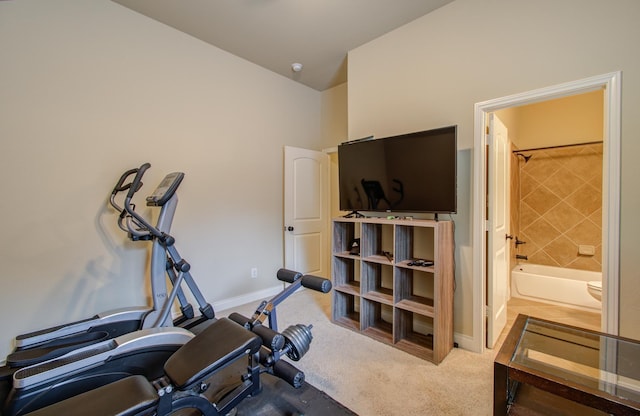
x,y
372,378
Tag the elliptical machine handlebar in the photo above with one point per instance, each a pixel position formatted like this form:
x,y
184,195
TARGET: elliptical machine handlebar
x,y
132,227
121,187
137,180
132,215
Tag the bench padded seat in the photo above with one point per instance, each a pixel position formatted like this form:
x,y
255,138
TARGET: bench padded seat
x,y
220,344
126,396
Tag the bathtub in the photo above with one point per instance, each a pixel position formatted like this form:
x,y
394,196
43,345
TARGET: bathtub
x,y
555,285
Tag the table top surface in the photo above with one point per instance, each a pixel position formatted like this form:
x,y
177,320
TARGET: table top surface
x,y
591,359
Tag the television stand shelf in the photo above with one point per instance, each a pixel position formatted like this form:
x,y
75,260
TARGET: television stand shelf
x,y
399,288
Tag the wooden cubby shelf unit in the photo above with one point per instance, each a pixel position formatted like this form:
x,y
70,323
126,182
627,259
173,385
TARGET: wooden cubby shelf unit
x,y
383,294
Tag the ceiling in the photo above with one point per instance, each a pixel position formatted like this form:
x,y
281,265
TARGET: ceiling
x,y
277,33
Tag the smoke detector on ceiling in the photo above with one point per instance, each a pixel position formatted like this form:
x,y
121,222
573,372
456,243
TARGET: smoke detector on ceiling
x,y
296,67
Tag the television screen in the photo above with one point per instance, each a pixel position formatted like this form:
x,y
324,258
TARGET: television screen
x,y
413,172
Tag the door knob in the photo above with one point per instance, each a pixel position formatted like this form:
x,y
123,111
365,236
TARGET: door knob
x,y
289,228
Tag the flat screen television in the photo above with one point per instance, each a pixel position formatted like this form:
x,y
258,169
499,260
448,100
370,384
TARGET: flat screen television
x,y
413,172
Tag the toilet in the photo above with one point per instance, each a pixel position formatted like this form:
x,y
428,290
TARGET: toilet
x,y
595,289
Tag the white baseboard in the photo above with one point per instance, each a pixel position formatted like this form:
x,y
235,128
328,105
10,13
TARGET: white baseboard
x,y
465,342
236,301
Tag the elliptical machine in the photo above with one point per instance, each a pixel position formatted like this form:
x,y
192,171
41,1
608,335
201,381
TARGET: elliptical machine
x,y
173,266
42,345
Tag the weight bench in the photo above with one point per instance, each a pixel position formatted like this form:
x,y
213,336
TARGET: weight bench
x,y
221,344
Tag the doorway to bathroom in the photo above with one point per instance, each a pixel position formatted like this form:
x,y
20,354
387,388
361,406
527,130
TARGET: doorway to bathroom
x,y
537,228
554,180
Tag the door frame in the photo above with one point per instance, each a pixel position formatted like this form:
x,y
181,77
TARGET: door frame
x,y
610,82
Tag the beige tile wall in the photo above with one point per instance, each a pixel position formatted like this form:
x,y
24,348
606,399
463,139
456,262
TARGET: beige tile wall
x,y
560,206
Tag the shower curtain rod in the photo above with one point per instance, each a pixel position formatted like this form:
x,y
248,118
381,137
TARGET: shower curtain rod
x,y
555,147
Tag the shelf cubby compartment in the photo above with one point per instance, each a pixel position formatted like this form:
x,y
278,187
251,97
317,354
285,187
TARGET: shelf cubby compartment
x,y
377,238
344,234
346,275
414,291
346,310
377,320
415,334
377,282
414,243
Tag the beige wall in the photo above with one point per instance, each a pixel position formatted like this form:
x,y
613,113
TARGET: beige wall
x,y
568,120
334,116
335,131
89,89
431,72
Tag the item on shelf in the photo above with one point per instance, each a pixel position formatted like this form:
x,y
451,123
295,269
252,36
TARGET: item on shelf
x,y
355,247
420,263
388,255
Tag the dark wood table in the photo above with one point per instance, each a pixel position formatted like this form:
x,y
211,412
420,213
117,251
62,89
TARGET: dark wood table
x,y
547,368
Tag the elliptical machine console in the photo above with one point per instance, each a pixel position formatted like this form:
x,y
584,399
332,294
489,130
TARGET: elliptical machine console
x,y
165,190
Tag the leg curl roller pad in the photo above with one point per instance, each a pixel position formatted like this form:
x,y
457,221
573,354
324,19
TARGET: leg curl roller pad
x,y
288,276
270,338
288,373
316,283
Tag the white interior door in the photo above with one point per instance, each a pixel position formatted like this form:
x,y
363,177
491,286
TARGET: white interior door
x,y
498,229
306,210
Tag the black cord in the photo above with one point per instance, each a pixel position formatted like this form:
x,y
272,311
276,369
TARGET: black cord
x,y
453,236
